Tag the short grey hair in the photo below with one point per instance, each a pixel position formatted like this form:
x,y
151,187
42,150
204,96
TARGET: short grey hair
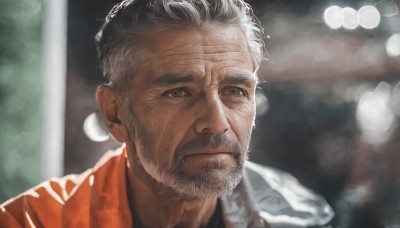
x,y
118,41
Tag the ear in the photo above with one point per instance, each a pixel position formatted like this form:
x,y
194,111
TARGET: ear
x,y
110,103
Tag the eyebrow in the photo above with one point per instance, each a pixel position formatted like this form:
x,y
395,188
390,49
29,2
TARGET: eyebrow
x,y
239,79
169,79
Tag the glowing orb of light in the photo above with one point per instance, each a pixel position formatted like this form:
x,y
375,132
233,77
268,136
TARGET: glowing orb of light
x,y
262,104
375,117
333,17
393,45
349,18
94,129
369,17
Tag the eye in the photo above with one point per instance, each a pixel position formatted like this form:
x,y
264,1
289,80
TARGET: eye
x,y
234,91
178,92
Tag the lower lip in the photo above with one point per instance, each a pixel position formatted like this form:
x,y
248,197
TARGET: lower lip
x,y
218,156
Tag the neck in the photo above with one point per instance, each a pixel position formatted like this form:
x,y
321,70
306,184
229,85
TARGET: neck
x,y
158,206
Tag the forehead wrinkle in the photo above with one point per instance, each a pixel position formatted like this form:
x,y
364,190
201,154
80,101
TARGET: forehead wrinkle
x,y
214,52
188,53
199,60
207,54
215,56
211,47
202,49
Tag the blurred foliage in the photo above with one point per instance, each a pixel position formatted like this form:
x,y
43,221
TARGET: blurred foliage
x,y
20,95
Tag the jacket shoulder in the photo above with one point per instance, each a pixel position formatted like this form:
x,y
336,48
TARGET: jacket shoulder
x,y
281,199
35,206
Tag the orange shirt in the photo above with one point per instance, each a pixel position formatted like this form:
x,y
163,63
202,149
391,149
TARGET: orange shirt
x,y
95,198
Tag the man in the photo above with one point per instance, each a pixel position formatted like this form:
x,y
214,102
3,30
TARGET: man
x,y
181,97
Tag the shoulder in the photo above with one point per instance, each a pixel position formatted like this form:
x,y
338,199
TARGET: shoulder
x,y
286,200
43,204
40,202
279,199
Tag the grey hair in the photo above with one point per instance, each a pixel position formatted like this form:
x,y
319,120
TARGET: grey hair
x,y
118,41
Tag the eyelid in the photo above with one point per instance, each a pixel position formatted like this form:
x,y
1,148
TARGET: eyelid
x,y
183,89
243,90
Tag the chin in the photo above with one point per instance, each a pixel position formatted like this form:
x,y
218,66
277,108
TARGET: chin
x,y
210,184
197,181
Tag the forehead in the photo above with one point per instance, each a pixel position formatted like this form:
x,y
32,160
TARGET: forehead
x,y
210,47
210,34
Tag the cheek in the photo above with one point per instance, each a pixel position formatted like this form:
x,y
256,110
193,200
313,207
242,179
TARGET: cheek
x,y
241,120
168,130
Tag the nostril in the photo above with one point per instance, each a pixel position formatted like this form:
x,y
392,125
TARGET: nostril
x,y
206,130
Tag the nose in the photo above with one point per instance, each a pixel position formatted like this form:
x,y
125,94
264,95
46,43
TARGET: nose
x,y
212,117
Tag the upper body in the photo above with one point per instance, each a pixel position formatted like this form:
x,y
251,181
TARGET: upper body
x,y
181,87
98,198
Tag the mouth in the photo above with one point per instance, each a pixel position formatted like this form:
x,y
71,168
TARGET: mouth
x,y
210,154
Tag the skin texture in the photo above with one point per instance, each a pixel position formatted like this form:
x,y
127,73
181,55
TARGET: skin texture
x,y
186,124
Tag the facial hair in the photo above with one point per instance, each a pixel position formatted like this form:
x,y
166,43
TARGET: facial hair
x,y
208,182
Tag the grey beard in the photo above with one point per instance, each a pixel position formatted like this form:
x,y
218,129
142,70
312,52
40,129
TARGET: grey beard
x,y
209,182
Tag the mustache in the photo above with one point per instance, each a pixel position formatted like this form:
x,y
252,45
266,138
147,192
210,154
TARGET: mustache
x,y
207,140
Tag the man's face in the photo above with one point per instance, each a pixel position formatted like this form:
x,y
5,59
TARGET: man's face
x,y
191,109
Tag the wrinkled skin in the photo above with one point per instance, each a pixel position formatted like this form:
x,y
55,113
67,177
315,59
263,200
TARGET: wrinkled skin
x,y
187,122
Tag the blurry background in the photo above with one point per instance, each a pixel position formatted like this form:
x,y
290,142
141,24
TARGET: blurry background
x,y
20,95
328,106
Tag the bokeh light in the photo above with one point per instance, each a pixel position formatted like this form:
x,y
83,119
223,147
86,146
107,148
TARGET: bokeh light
x,y
262,104
94,128
393,45
369,17
396,99
374,115
349,18
333,17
